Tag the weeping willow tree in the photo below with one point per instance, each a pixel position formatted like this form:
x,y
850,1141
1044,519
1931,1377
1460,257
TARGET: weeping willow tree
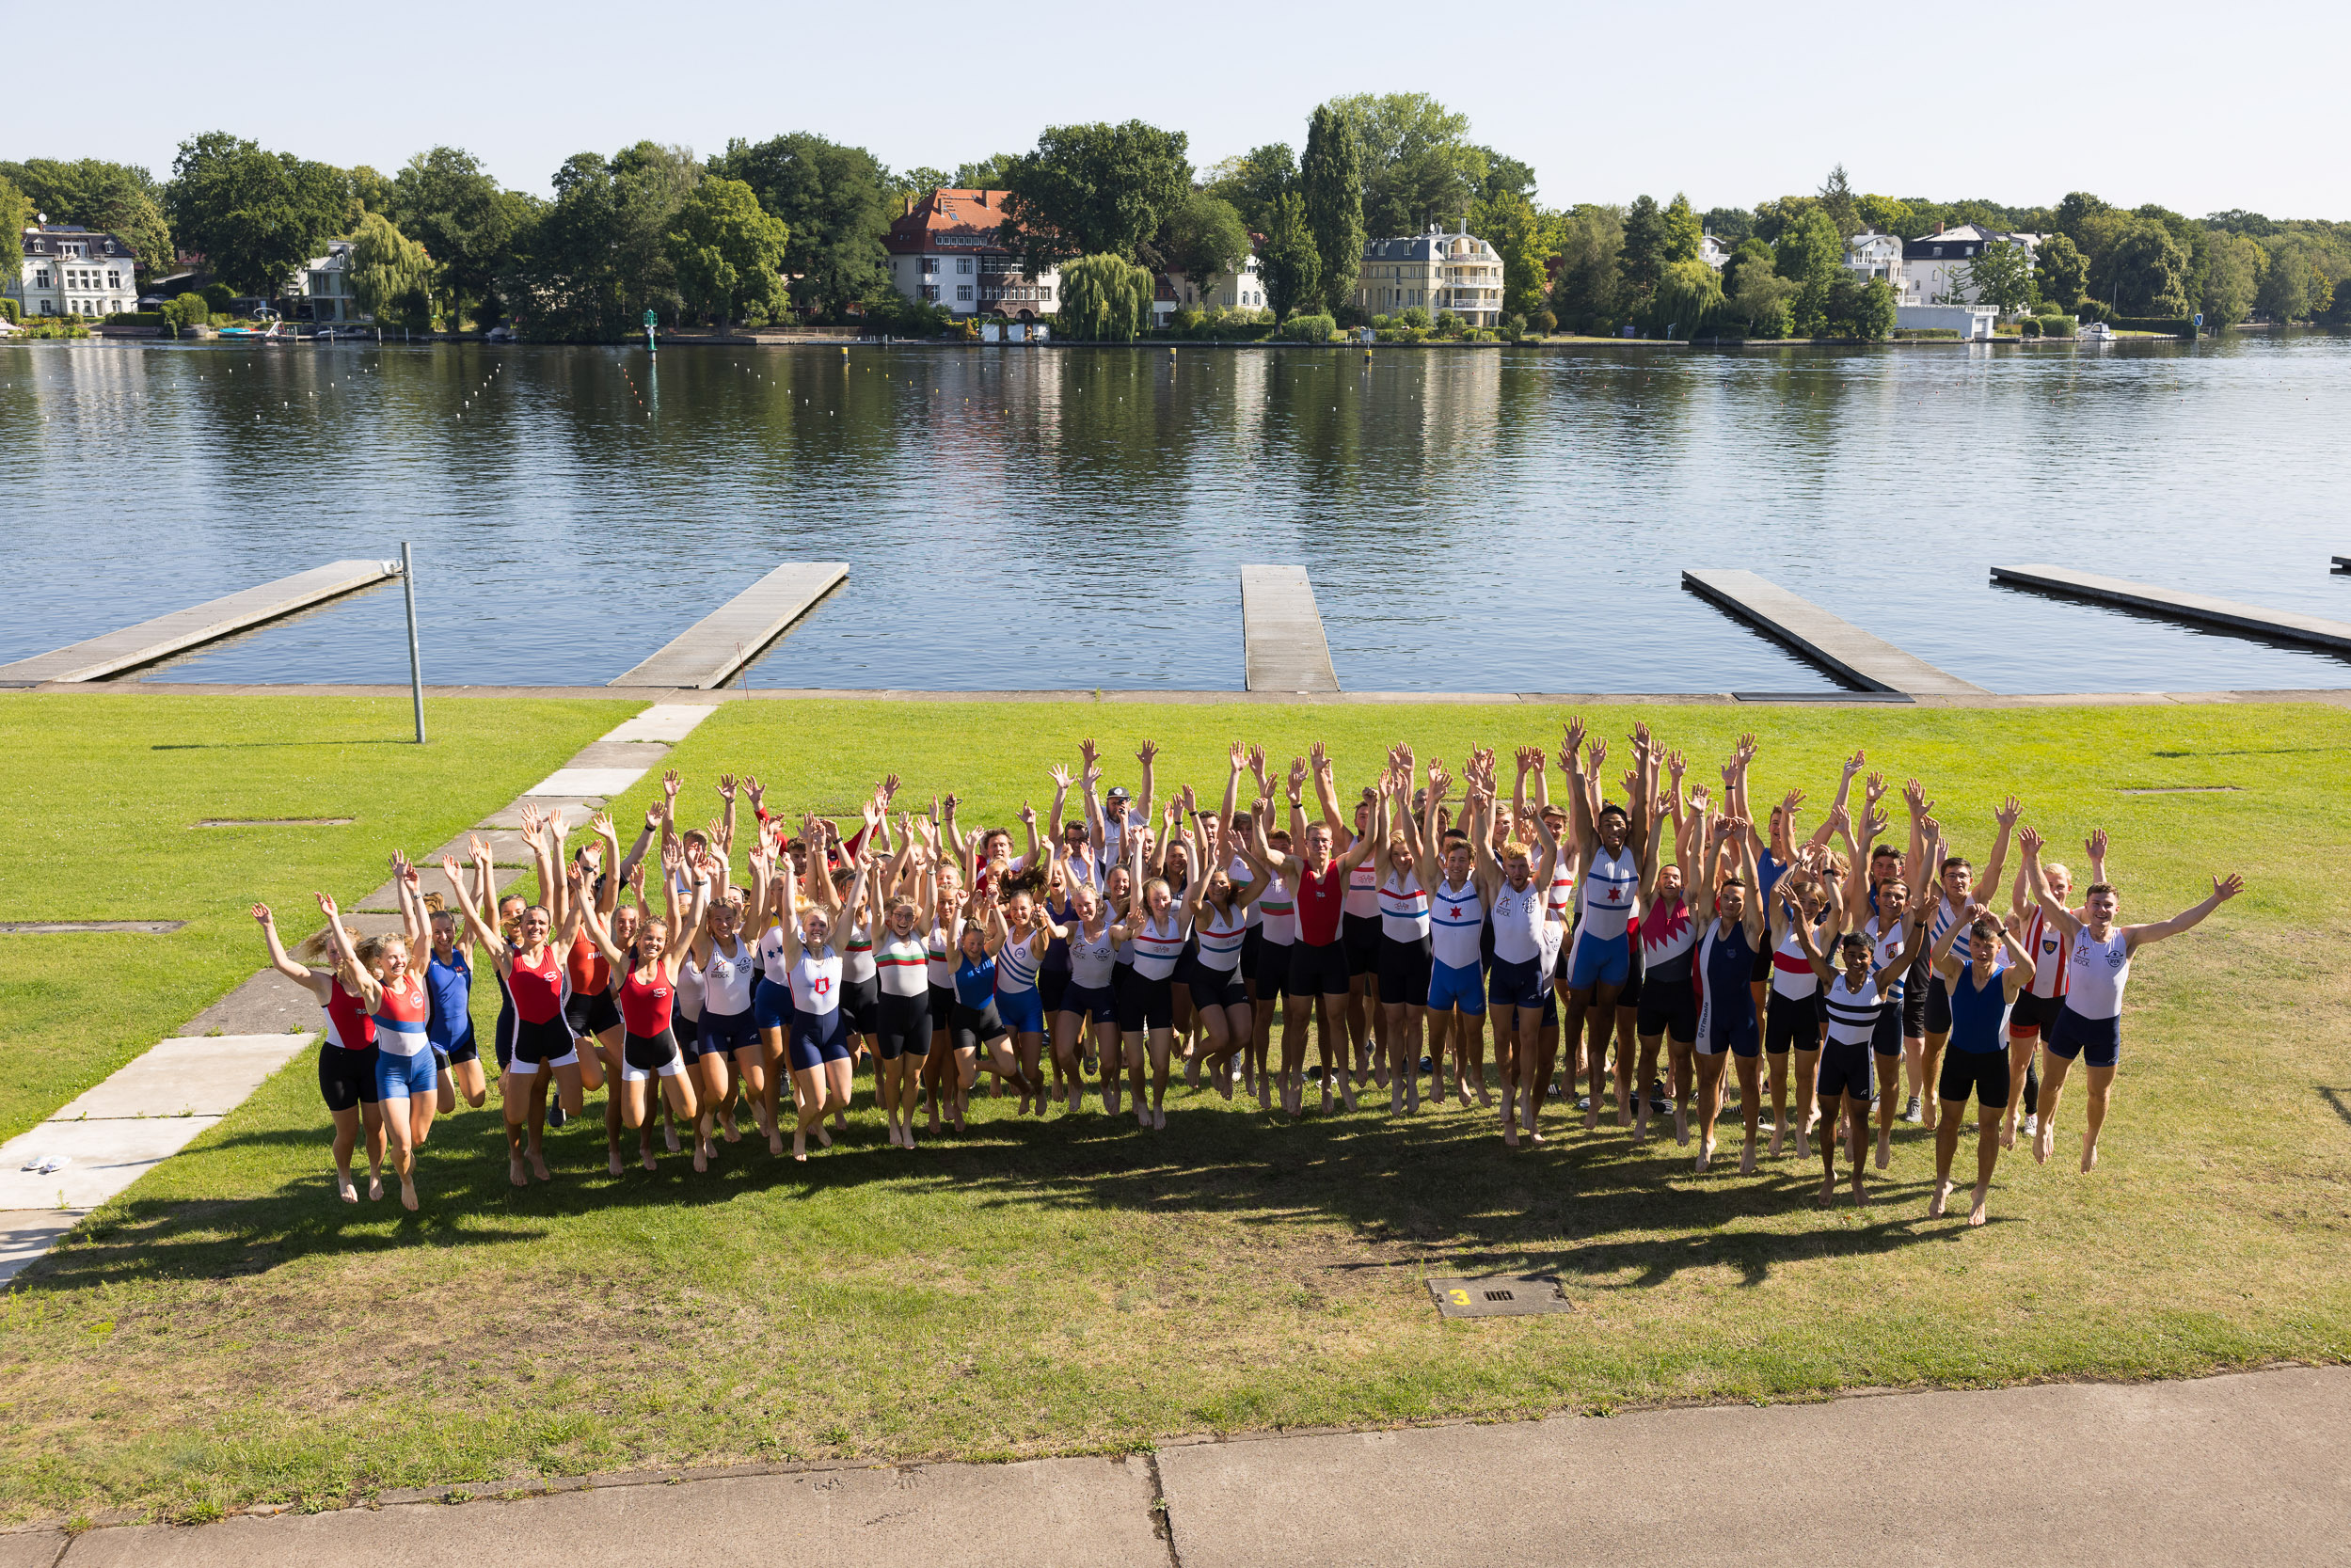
x,y
1689,295
1104,298
391,275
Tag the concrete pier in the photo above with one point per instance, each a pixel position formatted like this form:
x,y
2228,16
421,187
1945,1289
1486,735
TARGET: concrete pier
x,y
709,653
182,629
1837,645
1284,647
2203,608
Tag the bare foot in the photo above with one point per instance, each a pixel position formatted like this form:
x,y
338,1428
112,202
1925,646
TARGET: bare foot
x,y
538,1164
1975,1209
1224,1085
1159,1117
1591,1119
375,1186
408,1195
1885,1148
1776,1135
775,1140
727,1127
1861,1196
2044,1140
1706,1153
800,1146
1142,1115
1827,1192
1804,1144
1934,1204
348,1190
669,1137
1681,1127
1510,1133
644,1156
824,1138
702,1155
1747,1158
613,1160
2090,1155
513,1174
2008,1134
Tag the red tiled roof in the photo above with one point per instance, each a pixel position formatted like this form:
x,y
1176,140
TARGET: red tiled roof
x,y
958,220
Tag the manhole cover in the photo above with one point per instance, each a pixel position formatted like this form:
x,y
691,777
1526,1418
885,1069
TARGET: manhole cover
x,y
1501,1295
58,928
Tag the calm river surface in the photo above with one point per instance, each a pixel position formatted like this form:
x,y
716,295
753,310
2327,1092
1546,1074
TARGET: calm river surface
x,y
1472,521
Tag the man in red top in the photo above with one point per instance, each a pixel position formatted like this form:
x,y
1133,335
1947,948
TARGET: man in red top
x,y
1318,962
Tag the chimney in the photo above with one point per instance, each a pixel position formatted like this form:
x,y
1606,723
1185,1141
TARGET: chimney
x,y
1938,228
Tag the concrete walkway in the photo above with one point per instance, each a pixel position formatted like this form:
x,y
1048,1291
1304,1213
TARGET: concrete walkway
x,y
156,1104
2248,1468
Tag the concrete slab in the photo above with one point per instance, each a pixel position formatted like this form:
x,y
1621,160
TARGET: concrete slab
x,y
150,641
25,1235
709,653
103,1157
2251,1468
597,784
1283,648
667,723
2202,609
1837,645
203,1075
575,809
620,753
432,878
268,1003
1065,1513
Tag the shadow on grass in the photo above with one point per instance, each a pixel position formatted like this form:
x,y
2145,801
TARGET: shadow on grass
x,y
1437,1189
2336,1098
272,745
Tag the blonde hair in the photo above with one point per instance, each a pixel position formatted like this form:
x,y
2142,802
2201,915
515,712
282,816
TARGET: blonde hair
x,y
373,948
1515,851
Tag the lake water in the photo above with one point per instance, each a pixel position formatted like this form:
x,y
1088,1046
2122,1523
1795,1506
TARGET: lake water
x,y
1472,520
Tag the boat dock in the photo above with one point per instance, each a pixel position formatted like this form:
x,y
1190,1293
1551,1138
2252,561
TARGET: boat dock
x,y
709,653
1837,645
2203,608
1283,648
150,641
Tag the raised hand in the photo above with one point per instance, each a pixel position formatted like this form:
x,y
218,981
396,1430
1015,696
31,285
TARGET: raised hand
x,y
1087,751
1297,774
1788,803
757,791
601,825
1855,763
1060,777
669,783
1028,813
1571,740
1699,798
1148,753
476,847
1877,821
449,869
530,820
889,788
2225,888
727,786
326,905
1873,788
1238,755
2011,809
261,914
2032,840
1675,765
2095,846
1915,794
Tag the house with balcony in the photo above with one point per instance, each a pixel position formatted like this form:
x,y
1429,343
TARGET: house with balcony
x,y
321,288
1935,266
1243,290
1436,271
1874,253
71,271
946,250
1713,251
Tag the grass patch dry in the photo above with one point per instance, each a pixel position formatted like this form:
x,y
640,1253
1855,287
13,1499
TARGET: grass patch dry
x,y
227,1333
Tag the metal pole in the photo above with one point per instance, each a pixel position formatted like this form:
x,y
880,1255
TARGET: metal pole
x,y
416,669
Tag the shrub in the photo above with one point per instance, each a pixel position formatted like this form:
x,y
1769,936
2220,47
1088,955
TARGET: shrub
x,y
185,310
1515,327
1380,324
1415,315
136,318
220,298
1448,324
2056,327
8,308
2030,327
1303,328
2091,311
2176,326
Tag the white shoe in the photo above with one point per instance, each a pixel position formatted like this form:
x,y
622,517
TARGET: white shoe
x,y
2032,1125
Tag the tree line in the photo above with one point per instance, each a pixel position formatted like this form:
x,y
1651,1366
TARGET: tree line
x,y
793,226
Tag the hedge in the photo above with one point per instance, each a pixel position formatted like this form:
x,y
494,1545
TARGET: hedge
x,y
2179,326
1303,328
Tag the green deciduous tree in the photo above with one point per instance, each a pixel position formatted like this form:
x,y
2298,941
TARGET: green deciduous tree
x,y
911,185
445,199
598,254
1837,201
2001,276
1689,295
16,209
988,174
1096,189
1509,223
2284,291
1330,181
1105,298
391,276
2063,271
1203,239
1419,164
2232,280
2149,271
728,252
1291,264
1887,214
119,198
836,201
255,216
1810,254
1252,181
1588,288
1858,307
1760,297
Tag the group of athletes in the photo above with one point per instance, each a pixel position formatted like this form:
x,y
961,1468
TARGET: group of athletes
x,y
1672,942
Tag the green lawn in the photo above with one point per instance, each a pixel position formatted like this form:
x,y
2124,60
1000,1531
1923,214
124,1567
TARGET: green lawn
x,y
227,1332
102,794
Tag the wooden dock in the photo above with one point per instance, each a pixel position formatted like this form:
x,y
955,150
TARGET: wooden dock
x,y
1281,631
2226,614
182,629
1837,645
709,653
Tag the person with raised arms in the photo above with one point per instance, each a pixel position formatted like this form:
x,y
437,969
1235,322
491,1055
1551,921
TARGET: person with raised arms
x,y
1514,883
2098,966
1793,1021
644,988
1669,942
1855,999
1404,943
1956,884
407,1080
346,1056
1456,908
1318,963
1982,989
1730,917
1601,962
818,1048
1156,926
2037,1005
1220,922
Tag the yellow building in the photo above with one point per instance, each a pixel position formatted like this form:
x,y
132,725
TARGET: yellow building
x,y
1436,271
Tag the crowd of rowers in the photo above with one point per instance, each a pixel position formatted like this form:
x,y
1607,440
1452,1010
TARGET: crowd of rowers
x,y
1669,942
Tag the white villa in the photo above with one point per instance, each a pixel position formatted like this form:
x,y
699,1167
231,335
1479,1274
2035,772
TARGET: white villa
x,y
323,284
1934,266
71,271
1227,291
1873,253
946,250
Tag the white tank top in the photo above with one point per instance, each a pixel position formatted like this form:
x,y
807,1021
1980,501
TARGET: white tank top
x,y
1157,946
1610,884
726,981
1277,913
1220,934
1554,937
1456,917
1563,891
1854,1014
1885,947
1792,974
1241,874
857,956
1016,963
771,956
903,964
816,983
2096,974
938,966
1404,907
689,990
1519,915
1362,897
1090,958
2047,945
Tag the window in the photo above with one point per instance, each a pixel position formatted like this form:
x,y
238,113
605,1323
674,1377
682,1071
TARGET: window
x,y
41,279
931,290
48,306
930,263
963,265
114,279
962,290
1046,292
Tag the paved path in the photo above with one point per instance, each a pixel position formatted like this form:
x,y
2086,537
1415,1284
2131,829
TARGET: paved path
x,y
2253,1468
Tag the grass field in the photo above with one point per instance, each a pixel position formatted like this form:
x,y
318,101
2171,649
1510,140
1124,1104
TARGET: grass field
x,y
227,1333
103,793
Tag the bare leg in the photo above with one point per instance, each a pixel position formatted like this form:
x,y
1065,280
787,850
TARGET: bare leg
x,y
1930,1075
1710,1067
1336,1043
1684,1065
1987,1160
1650,1046
1946,1137
2054,1071
1750,1110
347,1140
1296,1020
2095,1114
1890,1090
2020,1063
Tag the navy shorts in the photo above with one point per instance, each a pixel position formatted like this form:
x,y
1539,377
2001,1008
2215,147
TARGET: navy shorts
x,y
1051,984
904,1028
1735,1034
1845,1071
1455,987
1982,1073
1092,1004
1515,984
728,1031
1360,935
1669,1007
1218,988
1938,1007
2032,1014
1146,1004
346,1079
465,1048
1318,971
2098,1042
1886,1039
818,1038
1403,968
1792,1022
771,1004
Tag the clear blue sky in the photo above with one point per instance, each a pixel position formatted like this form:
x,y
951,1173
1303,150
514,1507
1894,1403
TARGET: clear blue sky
x,y
2196,107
